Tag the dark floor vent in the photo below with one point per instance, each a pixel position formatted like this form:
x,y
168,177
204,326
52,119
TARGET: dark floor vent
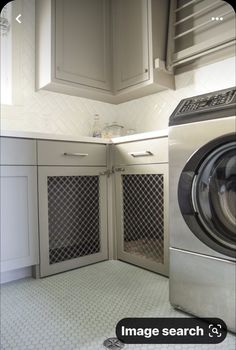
x,y
113,344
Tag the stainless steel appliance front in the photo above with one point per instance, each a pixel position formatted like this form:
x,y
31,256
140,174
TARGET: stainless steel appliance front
x,y
202,150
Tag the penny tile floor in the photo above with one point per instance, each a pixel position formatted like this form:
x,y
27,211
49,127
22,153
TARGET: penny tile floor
x,y
79,309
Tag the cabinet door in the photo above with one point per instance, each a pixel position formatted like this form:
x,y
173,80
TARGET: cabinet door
x,y
131,42
83,42
19,217
72,217
141,202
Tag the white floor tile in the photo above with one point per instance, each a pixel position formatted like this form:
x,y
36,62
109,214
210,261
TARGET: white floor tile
x,y
79,309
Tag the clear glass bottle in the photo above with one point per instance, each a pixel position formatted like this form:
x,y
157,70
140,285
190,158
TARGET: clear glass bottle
x,y
97,130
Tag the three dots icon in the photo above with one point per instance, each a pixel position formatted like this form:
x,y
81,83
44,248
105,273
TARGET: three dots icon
x,y
217,18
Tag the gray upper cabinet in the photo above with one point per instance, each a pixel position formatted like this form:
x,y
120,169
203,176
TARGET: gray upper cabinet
x,y
73,47
131,42
83,42
108,50
139,44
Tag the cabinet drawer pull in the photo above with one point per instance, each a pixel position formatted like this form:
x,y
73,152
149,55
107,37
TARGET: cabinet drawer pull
x,y
75,154
141,154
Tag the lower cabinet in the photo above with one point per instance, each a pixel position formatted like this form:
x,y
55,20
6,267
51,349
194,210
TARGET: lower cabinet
x,y
19,217
72,217
141,215
66,194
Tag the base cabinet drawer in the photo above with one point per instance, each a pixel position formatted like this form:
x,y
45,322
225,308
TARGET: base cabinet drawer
x,y
71,153
142,152
15,151
19,217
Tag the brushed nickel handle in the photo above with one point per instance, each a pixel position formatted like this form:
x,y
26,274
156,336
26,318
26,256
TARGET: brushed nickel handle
x,y
74,154
141,154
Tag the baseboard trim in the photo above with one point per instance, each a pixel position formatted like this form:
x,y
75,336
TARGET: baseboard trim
x,y
13,275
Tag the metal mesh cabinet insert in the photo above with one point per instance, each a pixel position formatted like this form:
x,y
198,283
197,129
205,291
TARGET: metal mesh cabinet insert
x,y
141,201
73,217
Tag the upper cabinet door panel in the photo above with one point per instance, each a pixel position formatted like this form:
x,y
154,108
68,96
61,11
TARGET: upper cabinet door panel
x,y
131,42
83,42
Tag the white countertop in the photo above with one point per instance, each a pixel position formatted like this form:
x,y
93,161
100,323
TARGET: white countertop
x,y
54,137
57,137
141,136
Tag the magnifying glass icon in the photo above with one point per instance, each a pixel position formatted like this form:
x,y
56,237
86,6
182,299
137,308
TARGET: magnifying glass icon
x,y
214,330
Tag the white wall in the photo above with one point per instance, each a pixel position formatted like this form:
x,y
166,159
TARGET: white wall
x,y
48,112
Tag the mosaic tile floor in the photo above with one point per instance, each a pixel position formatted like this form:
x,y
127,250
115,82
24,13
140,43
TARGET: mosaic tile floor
x,y
79,309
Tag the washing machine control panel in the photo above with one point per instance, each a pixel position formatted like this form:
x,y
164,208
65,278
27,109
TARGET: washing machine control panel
x,y
196,104
208,106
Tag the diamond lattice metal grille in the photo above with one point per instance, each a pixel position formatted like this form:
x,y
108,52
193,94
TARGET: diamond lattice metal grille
x,y
143,215
73,212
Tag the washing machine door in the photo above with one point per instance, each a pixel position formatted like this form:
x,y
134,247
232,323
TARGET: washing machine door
x,y
207,194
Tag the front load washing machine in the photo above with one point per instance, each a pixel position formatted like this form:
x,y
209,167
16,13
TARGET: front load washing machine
x,y
202,156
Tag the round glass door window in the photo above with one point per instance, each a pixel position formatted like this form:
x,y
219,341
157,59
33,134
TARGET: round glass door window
x,y
214,195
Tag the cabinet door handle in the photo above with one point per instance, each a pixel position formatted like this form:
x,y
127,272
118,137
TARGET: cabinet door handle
x,y
141,154
74,154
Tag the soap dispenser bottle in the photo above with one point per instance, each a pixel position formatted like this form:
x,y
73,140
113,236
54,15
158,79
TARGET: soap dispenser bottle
x,y
97,130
